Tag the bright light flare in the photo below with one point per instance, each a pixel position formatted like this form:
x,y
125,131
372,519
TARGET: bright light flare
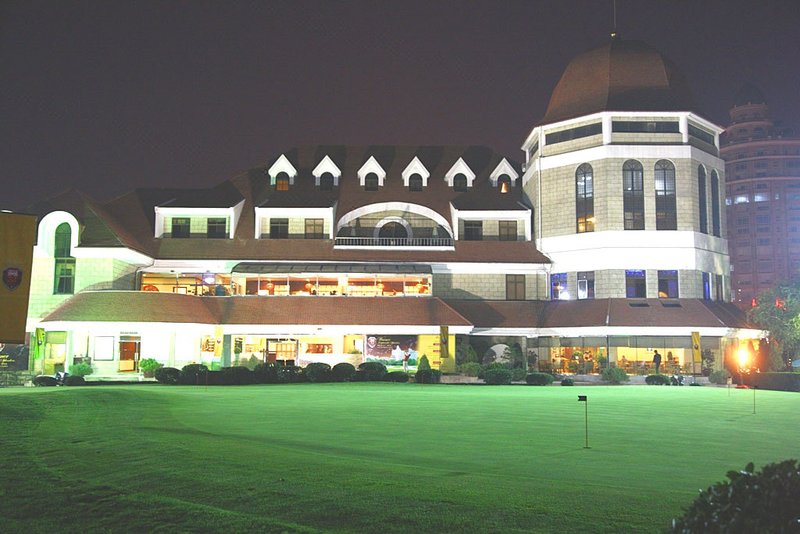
x,y
744,356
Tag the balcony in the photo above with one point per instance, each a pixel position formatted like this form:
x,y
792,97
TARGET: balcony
x,y
394,242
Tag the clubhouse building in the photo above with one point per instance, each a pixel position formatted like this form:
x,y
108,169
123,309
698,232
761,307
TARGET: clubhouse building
x,y
606,242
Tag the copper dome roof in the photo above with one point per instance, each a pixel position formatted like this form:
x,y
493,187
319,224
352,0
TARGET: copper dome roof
x,y
620,76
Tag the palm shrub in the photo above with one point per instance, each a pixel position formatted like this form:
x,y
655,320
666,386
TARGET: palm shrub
x,y
751,502
614,375
80,369
168,375
539,379
318,372
719,377
343,372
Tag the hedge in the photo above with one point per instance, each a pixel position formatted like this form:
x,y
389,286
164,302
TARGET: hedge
x,y
775,381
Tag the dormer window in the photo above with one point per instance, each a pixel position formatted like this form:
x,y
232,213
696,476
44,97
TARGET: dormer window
x,y
371,182
326,182
282,182
417,171
326,174
415,182
504,183
460,182
504,173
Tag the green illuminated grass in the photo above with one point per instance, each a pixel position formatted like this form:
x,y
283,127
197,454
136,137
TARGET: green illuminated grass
x,y
375,457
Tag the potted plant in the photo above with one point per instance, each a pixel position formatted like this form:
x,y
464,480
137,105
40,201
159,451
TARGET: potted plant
x,y
148,366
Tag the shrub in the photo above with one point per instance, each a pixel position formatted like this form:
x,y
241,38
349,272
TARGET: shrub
x,y
539,379
168,375
289,374
80,369
374,371
776,381
396,376
318,372
497,376
424,364
360,376
492,366
656,380
518,374
750,502
236,375
614,375
470,369
567,382
194,373
44,381
719,377
72,380
265,373
428,376
342,372
149,365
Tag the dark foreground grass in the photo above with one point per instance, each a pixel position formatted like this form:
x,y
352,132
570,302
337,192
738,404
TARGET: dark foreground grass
x,y
375,457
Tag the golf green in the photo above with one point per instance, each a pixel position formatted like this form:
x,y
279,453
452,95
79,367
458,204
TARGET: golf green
x,y
376,457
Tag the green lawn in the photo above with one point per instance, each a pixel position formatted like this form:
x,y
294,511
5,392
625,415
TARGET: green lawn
x,y
375,457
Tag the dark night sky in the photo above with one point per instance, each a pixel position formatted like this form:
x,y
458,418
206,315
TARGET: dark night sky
x,y
107,96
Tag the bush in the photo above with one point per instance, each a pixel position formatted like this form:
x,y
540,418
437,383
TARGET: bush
x,y
396,376
318,372
149,365
265,373
342,372
719,377
750,502
470,369
567,382
656,380
539,379
373,371
491,367
424,364
74,381
518,374
194,373
497,377
289,374
428,376
775,381
44,381
614,375
168,375
80,369
235,376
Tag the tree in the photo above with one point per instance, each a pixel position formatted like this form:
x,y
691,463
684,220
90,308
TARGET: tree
x,y
778,311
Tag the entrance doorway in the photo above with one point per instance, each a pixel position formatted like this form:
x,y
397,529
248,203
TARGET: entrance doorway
x,y
129,353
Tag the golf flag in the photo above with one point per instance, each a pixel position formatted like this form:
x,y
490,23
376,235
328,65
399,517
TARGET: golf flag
x,y
697,353
17,234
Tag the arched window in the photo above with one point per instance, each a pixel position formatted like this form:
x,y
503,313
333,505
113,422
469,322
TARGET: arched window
x,y
371,182
715,220
633,195
282,182
666,210
393,229
701,198
415,182
584,199
504,183
64,273
460,182
326,182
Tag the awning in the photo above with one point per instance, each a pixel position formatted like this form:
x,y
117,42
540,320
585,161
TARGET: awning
x,y
330,268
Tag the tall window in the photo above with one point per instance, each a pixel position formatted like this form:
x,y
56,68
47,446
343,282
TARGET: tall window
x,y
667,284
715,220
633,195
586,285
314,228
64,273
701,197
707,286
635,284
508,230
215,228
415,182
584,199
473,230
279,228
515,287
666,210
460,182
326,182
371,182
180,227
504,183
558,286
282,182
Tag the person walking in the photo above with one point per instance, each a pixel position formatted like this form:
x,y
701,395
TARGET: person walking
x,y
656,360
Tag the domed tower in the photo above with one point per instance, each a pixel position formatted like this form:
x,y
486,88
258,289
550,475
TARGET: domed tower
x,y
626,181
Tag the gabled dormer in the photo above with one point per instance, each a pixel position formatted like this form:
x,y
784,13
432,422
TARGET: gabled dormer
x,y
282,173
460,176
503,176
326,174
371,175
415,175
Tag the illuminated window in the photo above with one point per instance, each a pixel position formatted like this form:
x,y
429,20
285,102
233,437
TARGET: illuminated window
x,y
314,228
715,211
180,227
558,286
584,199
504,183
668,284
282,182
508,230
64,272
701,197
586,285
515,287
633,195
279,228
635,284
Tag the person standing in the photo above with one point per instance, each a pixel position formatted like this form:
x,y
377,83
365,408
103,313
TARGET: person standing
x,y
656,360
406,356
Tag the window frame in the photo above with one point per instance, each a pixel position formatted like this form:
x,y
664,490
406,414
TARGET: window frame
x,y
666,195
316,230
515,287
181,223
633,196
507,230
584,199
473,231
635,284
217,228
279,228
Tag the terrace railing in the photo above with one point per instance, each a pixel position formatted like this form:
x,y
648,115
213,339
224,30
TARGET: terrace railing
x,y
412,242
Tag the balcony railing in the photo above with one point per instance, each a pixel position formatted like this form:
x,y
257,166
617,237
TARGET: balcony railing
x,y
393,242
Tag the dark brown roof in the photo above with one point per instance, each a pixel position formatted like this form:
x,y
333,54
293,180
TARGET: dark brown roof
x,y
136,306
224,195
619,76
501,313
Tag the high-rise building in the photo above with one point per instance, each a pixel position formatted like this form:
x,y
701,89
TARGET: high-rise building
x,y
762,162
